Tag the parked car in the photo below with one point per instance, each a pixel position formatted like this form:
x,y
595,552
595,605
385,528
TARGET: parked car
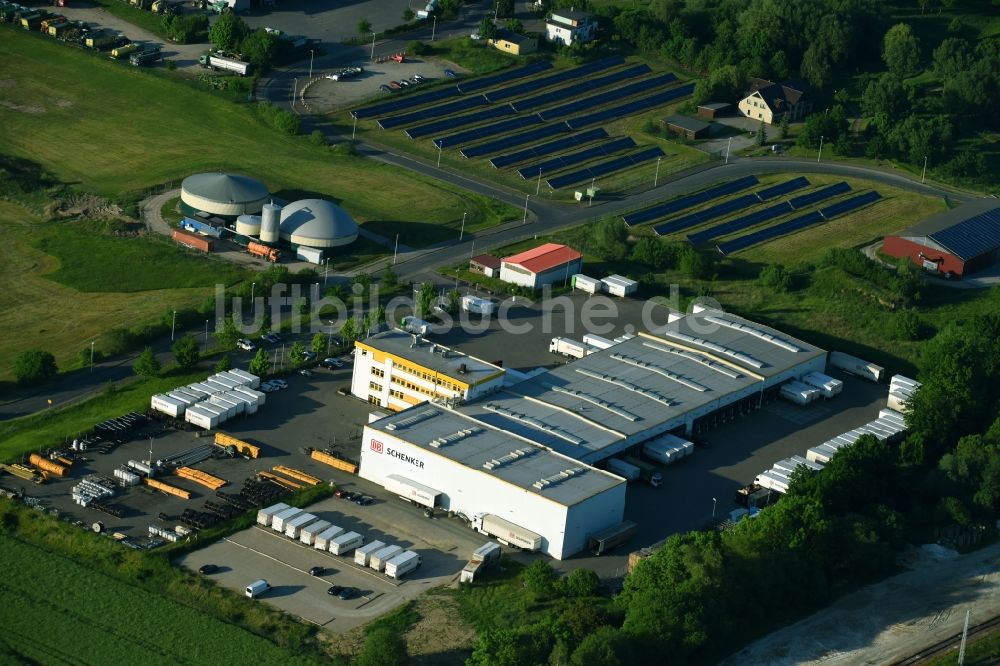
x,y
309,355
394,85
306,372
351,496
364,500
268,387
334,590
450,73
404,83
340,493
418,78
347,593
384,88
332,363
280,383
207,569
316,571
246,345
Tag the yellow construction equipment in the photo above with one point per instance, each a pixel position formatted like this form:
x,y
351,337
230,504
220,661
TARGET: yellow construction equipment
x,y
297,475
224,440
24,472
281,481
47,465
204,478
171,490
333,461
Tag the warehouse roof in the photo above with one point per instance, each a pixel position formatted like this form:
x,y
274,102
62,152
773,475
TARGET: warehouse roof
x,y
434,357
633,389
544,257
685,123
224,187
487,260
971,230
497,454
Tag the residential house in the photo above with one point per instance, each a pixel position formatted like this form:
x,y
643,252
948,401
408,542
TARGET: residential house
x,y
570,27
770,101
514,43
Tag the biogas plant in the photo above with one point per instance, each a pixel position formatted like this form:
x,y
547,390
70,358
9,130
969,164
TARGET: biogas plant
x,y
230,207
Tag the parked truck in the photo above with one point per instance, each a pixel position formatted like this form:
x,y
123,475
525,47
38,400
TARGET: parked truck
x,y
323,539
309,533
122,51
506,532
363,555
612,537
383,555
264,516
218,62
402,564
345,543
143,58
667,449
568,347
856,366
264,252
647,472
623,469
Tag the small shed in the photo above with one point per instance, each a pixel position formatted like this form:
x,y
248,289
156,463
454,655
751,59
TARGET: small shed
x,y
617,285
714,110
486,264
689,128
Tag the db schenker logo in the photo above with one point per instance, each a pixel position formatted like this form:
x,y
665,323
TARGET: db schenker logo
x,y
376,446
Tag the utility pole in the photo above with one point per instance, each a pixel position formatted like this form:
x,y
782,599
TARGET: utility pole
x,y
820,148
656,178
924,174
461,234
525,221
173,322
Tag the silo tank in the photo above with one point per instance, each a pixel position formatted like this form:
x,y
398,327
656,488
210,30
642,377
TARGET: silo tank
x,y
248,225
270,223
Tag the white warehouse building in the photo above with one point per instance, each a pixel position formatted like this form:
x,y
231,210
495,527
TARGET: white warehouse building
x,y
453,462
545,264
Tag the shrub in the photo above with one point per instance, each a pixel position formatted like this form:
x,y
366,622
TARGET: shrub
x,y
418,48
33,367
776,277
318,138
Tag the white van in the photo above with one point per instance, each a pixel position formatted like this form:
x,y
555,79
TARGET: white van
x,y
257,588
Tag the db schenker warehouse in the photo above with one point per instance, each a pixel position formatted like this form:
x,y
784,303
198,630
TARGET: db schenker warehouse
x,y
528,452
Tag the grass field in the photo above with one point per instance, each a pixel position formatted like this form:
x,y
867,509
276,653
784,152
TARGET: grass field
x,y
113,130
60,612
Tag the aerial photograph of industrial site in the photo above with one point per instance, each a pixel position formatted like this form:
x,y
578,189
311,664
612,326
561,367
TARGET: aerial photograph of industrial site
x,y
500,332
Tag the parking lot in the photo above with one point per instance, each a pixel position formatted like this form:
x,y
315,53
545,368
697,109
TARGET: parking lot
x,y
325,95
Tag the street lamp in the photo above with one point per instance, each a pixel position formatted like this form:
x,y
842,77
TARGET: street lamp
x,y
373,47
206,335
728,146
326,271
714,501
538,185
295,91
924,174
434,27
656,178
439,155
253,286
395,250
526,197
820,154
461,234
92,355
173,321
310,64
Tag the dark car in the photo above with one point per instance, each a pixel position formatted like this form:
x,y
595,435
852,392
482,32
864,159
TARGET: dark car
x,y
364,500
347,593
385,88
349,496
340,493
207,569
316,571
334,590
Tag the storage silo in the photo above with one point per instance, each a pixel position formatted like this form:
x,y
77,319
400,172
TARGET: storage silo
x,y
222,194
270,226
248,225
317,223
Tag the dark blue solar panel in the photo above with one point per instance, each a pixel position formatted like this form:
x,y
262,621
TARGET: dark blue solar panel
x,y
740,223
509,75
783,188
632,107
816,196
847,205
433,112
572,159
513,140
683,203
608,96
580,88
560,77
972,237
604,168
707,215
549,148
405,102
487,131
800,222
459,121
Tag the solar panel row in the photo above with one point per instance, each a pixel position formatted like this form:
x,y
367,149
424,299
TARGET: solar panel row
x,y
629,108
972,236
706,215
847,205
683,203
405,102
783,188
604,168
741,223
560,77
606,97
485,82
513,140
800,222
433,112
549,148
816,196
459,121
572,159
580,88
486,131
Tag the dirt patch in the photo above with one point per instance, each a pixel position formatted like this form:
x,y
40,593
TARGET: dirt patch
x,y
89,206
440,637
23,108
7,83
64,103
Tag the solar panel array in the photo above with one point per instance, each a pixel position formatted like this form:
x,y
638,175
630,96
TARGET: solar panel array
x,y
604,168
816,196
547,81
707,215
406,102
683,203
632,107
606,97
579,88
433,112
741,223
508,75
459,121
783,188
548,148
497,145
798,223
565,161
972,237
486,131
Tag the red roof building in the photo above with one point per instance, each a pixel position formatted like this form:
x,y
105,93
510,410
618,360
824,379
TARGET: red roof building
x,y
542,265
486,264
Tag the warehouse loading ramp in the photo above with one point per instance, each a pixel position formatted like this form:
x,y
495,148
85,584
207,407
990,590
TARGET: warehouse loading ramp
x,y
412,491
334,461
